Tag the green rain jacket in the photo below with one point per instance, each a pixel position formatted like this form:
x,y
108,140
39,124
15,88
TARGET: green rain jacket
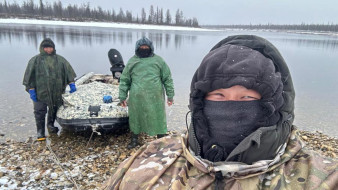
x,y
146,79
48,75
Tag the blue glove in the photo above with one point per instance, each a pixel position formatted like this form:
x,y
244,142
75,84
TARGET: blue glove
x,y
72,87
107,99
32,93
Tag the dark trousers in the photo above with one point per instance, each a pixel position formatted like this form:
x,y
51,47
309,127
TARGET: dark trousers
x,y
40,110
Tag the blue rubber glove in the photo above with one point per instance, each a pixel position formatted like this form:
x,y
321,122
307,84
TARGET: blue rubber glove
x,y
32,93
72,87
107,99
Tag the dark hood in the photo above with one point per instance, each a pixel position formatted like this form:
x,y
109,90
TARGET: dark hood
x,y
254,63
49,42
144,41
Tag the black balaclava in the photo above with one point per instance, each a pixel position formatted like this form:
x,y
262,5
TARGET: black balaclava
x,y
254,63
144,53
229,122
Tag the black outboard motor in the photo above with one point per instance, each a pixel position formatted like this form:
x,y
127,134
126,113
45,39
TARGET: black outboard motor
x,y
116,62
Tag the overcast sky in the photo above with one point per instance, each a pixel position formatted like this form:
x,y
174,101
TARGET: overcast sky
x,y
231,11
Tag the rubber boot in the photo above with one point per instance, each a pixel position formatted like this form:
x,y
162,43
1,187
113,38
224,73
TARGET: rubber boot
x,y
161,135
40,110
50,124
40,126
134,141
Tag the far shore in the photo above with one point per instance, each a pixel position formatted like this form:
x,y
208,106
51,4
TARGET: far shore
x,y
31,21
100,24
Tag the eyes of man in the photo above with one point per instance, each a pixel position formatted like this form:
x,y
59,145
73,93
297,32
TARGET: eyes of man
x,y
222,97
234,93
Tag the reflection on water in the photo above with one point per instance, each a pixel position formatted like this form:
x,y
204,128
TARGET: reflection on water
x,y
326,44
310,41
80,35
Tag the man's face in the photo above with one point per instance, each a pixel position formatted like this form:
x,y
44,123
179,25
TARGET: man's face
x,y
48,50
234,93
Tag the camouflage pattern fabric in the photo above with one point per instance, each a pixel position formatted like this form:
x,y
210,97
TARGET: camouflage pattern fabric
x,y
168,164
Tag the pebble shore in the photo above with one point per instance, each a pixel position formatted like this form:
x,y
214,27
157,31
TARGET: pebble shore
x,y
74,162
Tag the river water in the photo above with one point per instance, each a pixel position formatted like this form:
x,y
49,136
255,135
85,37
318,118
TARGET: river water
x,y
312,60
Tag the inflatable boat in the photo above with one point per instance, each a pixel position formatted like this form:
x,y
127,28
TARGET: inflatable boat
x,y
85,110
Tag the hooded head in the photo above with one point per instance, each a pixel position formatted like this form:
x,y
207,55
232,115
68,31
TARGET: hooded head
x,y
47,42
254,63
140,52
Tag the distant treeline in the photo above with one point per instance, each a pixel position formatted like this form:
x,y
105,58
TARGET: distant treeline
x,y
301,27
55,10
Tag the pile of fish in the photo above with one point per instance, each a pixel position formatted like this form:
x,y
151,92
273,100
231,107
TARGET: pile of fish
x,y
90,92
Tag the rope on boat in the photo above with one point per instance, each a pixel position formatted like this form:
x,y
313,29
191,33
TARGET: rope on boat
x,y
94,130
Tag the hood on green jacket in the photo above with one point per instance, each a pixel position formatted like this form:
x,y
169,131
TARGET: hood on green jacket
x,y
277,95
144,41
47,42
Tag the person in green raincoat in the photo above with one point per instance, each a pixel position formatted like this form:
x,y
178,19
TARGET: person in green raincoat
x,y
46,77
145,76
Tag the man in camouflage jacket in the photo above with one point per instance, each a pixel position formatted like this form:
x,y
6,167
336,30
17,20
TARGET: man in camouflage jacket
x,y
46,77
270,156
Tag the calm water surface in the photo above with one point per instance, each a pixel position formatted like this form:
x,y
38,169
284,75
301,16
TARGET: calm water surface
x,y
312,59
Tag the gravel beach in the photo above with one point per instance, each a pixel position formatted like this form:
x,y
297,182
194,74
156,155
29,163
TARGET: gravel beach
x,y
74,162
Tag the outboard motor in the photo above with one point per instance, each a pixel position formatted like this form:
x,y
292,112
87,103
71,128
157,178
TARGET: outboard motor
x,y
116,61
